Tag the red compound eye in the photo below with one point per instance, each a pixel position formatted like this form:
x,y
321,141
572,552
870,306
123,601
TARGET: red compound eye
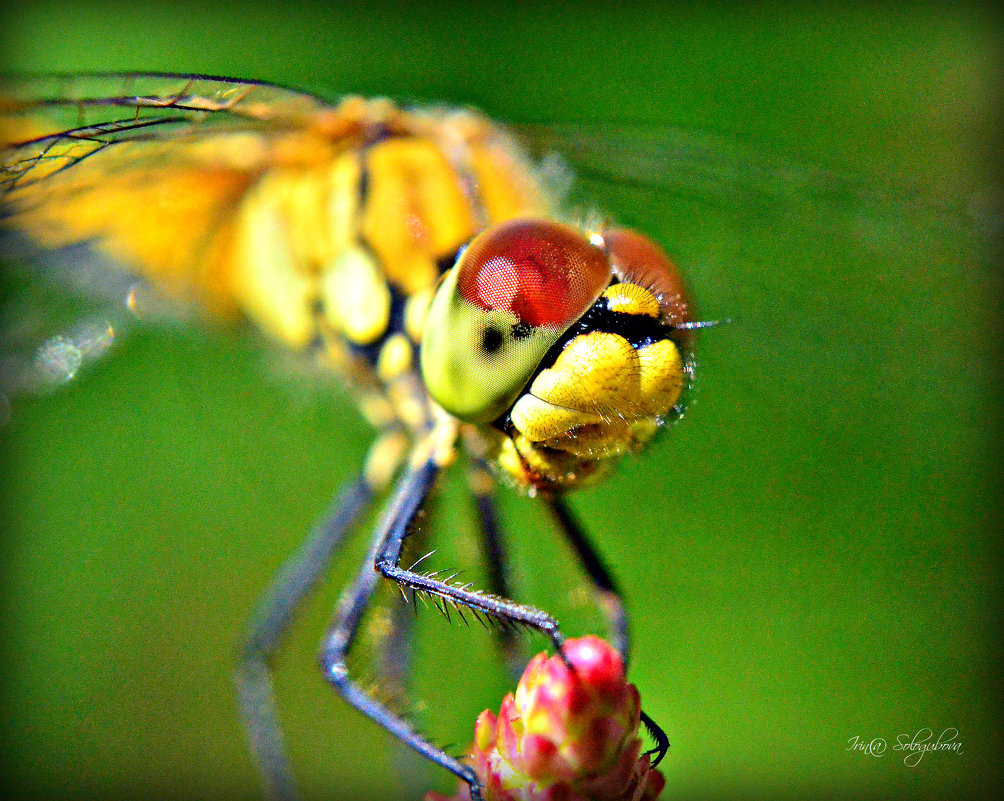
x,y
544,272
637,259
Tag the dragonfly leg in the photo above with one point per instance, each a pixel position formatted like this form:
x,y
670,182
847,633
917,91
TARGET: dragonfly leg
x,y
289,588
610,596
271,619
413,489
496,560
504,610
661,740
393,660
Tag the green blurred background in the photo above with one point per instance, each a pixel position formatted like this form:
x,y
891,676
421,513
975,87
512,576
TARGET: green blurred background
x,y
810,556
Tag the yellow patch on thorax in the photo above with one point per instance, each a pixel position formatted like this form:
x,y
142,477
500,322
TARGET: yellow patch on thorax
x,y
416,210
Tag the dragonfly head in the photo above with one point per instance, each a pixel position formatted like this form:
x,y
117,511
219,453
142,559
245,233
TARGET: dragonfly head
x,y
568,347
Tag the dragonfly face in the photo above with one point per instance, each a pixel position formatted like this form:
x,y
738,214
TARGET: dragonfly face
x,y
568,342
547,349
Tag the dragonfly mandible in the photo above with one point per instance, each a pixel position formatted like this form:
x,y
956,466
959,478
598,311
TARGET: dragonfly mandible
x,y
414,251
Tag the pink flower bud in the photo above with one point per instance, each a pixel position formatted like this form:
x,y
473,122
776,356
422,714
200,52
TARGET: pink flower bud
x,y
565,735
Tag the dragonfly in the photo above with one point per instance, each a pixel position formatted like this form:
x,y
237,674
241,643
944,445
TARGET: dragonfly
x,y
415,251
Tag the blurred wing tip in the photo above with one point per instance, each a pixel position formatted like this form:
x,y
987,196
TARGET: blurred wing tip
x,y
58,360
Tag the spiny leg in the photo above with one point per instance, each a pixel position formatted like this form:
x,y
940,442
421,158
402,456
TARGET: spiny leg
x,y
661,740
496,560
502,610
393,651
291,585
413,490
610,596
610,600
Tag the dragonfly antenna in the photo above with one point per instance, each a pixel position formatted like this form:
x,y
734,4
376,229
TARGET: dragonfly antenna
x,y
689,326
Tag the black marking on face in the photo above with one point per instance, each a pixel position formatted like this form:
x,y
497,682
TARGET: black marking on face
x,y
521,330
492,340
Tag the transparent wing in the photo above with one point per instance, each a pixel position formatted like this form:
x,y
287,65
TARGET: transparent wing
x,y
54,122
107,177
67,134
663,165
745,222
